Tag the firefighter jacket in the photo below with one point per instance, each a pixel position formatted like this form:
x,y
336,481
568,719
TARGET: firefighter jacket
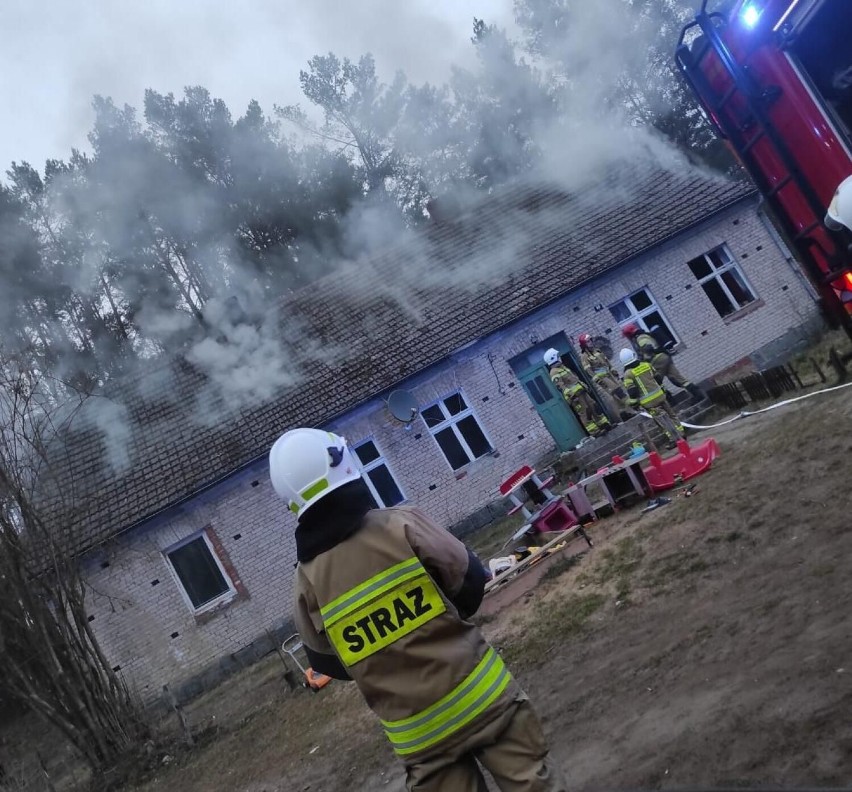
x,y
643,384
647,347
566,381
383,598
597,365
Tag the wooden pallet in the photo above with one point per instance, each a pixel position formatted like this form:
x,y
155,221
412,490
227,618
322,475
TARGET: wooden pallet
x,y
524,565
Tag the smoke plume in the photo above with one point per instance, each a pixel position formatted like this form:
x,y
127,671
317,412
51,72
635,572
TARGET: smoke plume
x,y
186,232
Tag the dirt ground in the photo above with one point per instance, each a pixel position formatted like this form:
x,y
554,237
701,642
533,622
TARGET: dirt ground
x,y
708,642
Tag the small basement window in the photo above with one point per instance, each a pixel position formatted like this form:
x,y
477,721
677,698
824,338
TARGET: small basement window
x,y
199,572
722,280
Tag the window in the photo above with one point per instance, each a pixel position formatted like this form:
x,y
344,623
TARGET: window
x,y
538,390
641,309
199,571
456,430
820,48
380,480
722,280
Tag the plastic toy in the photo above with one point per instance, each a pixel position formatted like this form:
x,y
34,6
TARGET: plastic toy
x,y
663,474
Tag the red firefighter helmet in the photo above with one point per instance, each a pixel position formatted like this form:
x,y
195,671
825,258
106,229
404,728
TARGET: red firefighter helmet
x,y
584,340
629,330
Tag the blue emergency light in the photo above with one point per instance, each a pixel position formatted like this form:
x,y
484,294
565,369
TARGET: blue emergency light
x,y
749,15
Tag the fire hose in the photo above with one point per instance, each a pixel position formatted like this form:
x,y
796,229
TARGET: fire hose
x,y
748,413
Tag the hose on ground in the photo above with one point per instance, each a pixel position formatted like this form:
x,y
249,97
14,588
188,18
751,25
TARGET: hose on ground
x,y
748,413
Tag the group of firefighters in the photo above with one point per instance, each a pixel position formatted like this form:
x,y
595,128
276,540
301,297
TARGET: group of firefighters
x,y
640,389
384,596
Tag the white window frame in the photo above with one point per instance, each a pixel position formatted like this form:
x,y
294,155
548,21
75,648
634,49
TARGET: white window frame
x,y
638,316
730,264
225,596
377,462
451,421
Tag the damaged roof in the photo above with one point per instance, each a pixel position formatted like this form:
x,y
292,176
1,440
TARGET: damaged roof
x,y
444,286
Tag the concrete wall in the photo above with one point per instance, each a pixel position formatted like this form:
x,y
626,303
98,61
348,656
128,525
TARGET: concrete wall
x,y
149,629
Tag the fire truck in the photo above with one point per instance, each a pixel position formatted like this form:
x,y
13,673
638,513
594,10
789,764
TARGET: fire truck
x,y
775,79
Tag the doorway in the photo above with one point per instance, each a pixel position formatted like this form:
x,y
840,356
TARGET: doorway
x,y
557,416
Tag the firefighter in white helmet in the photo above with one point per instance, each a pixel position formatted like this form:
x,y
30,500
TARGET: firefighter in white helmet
x,y
384,597
574,392
645,392
649,349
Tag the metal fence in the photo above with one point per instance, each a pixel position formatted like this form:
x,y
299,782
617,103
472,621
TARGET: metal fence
x,y
761,385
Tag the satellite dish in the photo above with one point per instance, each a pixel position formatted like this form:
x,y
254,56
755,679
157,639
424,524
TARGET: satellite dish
x,y
403,406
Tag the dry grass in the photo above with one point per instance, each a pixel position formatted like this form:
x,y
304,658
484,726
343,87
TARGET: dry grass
x,y
638,612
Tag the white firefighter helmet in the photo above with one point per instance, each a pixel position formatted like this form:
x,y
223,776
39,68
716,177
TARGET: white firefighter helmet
x,y
626,356
306,464
839,214
551,357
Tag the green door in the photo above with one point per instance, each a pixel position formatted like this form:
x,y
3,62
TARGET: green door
x,y
558,417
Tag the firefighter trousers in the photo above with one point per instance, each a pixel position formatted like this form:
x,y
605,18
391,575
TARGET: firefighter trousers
x,y
587,410
665,367
666,418
512,748
615,396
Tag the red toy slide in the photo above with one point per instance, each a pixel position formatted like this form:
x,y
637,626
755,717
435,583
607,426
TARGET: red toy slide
x,y
690,462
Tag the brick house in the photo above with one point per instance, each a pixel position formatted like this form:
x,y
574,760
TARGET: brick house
x,y
189,554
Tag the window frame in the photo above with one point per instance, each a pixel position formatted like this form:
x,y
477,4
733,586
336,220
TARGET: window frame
x,y
716,274
451,421
225,597
637,316
372,465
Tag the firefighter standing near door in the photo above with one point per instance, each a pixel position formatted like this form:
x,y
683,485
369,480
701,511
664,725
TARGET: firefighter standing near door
x,y
645,392
383,597
603,375
575,393
649,350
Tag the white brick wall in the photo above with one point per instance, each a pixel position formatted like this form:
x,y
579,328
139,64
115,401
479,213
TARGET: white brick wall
x,y
135,619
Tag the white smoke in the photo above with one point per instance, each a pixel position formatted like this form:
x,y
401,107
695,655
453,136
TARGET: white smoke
x,y
251,353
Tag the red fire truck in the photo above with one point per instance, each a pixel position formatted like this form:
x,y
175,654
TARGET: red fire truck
x,y
775,79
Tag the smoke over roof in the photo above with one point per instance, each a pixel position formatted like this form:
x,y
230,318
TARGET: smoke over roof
x,y
194,268
371,336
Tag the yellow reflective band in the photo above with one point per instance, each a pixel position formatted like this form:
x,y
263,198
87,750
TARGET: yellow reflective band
x,y
481,688
314,489
652,396
382,619
345,603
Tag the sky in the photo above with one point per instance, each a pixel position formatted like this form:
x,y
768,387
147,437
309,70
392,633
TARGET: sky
x,y
55,55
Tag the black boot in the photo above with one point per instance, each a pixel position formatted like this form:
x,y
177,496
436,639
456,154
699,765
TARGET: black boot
x,y
696,392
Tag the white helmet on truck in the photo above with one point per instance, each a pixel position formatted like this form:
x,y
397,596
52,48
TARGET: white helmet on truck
x,y
626,356
551,357
306,464
839,214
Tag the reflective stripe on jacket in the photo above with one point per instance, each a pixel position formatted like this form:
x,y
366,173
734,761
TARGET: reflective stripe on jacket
x,y
479,690
566,381
382,601
597,365
640,377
